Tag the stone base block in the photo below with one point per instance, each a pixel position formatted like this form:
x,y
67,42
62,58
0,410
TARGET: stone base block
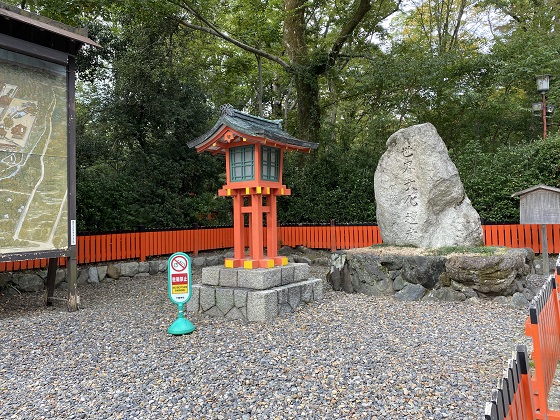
x,y
259,279
252,304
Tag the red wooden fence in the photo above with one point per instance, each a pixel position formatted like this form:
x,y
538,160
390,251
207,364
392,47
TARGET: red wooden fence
x,y
140,245
543,326
522,393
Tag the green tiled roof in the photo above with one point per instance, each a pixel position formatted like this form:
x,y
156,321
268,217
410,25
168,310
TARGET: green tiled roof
x,y
251,126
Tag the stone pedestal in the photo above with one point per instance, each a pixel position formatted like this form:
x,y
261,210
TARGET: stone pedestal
x,y
254,295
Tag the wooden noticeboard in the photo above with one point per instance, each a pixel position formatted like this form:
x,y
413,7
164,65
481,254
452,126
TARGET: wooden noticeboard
x,y
540,204
38,141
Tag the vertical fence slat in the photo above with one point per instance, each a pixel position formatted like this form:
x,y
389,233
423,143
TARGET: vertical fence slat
x,y
524,235
87,249
549,242
99,244
555,248
536,238
190,241
487,236
129,248
514,236
79,249
106,248
507,233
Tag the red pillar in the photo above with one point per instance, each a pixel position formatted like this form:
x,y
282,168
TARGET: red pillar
x,y
271,228
256,229
238,227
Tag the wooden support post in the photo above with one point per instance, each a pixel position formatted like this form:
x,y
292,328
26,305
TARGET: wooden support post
x,y
72,280
51,278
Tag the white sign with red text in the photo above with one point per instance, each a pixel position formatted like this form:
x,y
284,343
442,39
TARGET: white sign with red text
x,y
179,278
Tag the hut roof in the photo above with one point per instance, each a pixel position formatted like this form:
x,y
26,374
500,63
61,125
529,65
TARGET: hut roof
x,y
535,188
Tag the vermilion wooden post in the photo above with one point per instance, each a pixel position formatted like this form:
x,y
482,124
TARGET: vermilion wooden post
x,y
256,233
238,228
271,227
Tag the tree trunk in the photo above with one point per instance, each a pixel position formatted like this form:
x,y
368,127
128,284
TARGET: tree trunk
x,y
304,73
260,87
309,111
303,69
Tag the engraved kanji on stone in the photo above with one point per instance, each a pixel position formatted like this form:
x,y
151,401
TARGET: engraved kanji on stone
x,y
410,186
407,150
411,231
413,199
411,217
408,166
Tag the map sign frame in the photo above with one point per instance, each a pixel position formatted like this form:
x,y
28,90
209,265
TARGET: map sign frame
x,y
37,152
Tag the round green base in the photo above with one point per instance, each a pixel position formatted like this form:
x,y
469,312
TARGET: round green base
x,y
181,326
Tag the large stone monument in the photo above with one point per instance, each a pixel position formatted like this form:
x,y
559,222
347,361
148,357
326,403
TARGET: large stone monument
x,y
420,198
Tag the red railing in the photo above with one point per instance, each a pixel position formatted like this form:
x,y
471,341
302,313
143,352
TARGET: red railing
x,y
513,398
543,326
141,245
522,393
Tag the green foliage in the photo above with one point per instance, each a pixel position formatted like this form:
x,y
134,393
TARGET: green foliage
x,y
134,166
104,200
335,184
490,178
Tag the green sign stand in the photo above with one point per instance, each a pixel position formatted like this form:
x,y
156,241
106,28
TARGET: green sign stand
x,y
181,325
179,286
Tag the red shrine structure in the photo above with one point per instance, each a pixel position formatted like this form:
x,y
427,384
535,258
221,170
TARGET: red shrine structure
x,y
253,148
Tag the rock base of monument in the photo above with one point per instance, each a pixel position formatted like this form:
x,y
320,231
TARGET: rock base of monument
x,y
254,295
412,276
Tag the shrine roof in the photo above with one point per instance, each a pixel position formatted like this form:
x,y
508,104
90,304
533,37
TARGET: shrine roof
x,y
246,125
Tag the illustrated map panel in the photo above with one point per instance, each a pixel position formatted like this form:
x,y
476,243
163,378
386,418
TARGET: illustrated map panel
x,y
33,155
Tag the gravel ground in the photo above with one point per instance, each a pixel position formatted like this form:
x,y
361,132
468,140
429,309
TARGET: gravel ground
x,y
347,357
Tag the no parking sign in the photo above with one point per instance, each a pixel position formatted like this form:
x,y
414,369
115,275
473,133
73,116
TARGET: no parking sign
x,y
179,278
179,288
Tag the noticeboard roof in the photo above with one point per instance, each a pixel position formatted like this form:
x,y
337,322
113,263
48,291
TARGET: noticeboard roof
x,y
535,188
22,17
246,125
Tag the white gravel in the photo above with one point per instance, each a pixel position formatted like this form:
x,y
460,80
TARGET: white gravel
x,y
347,357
